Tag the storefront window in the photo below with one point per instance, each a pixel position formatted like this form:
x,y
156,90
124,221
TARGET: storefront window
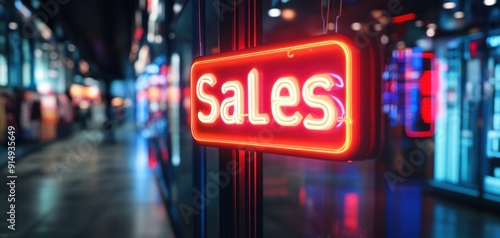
x,y
492,178
448,118
14,62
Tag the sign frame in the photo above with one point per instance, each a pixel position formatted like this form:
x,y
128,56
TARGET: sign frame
x,y
362,99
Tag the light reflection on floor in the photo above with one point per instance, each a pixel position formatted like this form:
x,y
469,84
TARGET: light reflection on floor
x,y
111,192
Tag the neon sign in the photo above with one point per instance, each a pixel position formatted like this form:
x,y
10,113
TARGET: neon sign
x,y
314,98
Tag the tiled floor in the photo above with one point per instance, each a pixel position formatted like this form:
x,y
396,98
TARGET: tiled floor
x,y
84,187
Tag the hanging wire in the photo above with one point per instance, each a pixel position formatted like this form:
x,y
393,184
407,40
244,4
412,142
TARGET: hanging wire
x,y
338,16
325,21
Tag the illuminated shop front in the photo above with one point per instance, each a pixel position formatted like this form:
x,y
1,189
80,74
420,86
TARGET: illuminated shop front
x,y
467,124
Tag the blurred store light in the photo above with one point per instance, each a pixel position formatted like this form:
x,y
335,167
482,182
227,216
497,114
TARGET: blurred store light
x,y
356,26
288,14
490,2
84,67
13,26
71,48
425,44
432,26
52,73
22,9
53,55
376,14
331,26
274,12
44,87
84,105
38,53
154,11
89,81
459,15
44,30
384,39
449,5
76,91
173,115
158,39
142,60
151,37
404,18
117,102
177,8
430,32
419,23
127,102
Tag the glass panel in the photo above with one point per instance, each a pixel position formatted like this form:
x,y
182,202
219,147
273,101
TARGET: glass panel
x,y
492,179
448,117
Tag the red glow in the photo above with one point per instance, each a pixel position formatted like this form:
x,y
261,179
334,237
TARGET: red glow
x,y
428,88
404,18
275,99
138,34
302,196
351,211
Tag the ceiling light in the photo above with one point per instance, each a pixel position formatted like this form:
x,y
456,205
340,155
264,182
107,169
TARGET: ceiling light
x,y
490,2
274,12
459,15
356,26
449,5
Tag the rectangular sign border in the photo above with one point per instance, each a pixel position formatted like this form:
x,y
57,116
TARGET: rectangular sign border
x,y
235,55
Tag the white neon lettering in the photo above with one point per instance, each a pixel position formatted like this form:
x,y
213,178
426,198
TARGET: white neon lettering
x,y
236,101
278,101
322,102
254,116
206,98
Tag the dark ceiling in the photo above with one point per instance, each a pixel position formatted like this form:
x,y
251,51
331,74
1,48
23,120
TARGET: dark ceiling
x,y
101,30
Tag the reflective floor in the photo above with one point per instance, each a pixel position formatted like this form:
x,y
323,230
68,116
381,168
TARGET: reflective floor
x,y
85,187
305,198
